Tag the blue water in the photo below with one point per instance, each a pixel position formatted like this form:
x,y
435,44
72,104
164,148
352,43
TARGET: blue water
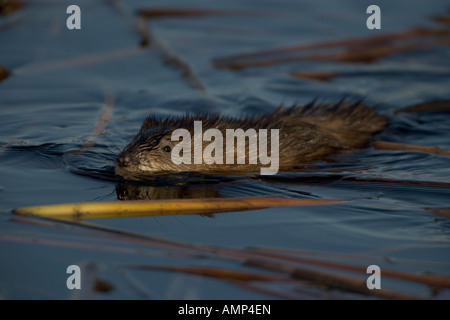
x,y
61,79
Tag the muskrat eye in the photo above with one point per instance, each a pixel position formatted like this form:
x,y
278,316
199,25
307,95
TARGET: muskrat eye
x,y
167,149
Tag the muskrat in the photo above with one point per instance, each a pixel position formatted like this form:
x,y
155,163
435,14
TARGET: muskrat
x,y
309,133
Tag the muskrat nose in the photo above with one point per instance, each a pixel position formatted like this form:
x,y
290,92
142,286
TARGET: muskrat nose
x,y
123,160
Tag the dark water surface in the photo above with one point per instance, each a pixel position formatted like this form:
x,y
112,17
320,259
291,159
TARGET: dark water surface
x,y
62,80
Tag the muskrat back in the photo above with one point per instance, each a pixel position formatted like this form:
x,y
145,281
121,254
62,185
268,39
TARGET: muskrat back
x,y
306,134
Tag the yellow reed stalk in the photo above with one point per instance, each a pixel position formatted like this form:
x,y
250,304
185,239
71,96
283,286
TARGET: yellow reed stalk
x,y
115,209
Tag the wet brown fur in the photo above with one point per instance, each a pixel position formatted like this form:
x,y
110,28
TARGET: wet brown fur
x,y
306,134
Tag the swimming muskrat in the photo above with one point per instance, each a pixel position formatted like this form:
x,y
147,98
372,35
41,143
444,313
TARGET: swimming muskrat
x,y
306,134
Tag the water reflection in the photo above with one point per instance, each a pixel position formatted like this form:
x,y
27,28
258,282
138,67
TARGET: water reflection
x,y
127,191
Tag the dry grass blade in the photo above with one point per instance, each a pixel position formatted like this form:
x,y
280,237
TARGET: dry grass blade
x,y
330,178
383,145
112,234
443,212
352,50
95,58
218,273
353,257
152,13
435,280
444,18
284,264
247,280
41,240
330,280
316,254
97,210
316,75
105,115
4,73
440,106
366,55
171,58
391,181
10,6
351,42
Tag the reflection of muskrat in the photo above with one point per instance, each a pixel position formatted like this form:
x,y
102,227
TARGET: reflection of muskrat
x,y
307,133
145,192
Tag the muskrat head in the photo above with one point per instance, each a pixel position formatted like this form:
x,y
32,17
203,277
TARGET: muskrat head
x,y
148,153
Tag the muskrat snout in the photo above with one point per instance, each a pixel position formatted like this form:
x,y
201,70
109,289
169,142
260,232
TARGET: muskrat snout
x,y
124,164
123,160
